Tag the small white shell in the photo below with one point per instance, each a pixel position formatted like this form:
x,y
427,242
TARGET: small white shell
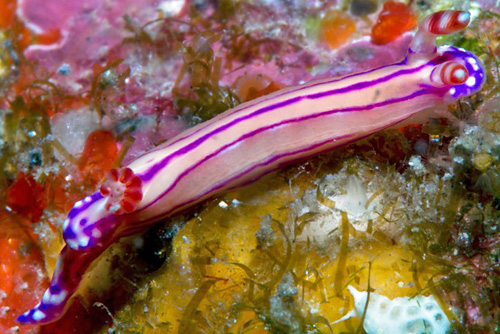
x,y
400,315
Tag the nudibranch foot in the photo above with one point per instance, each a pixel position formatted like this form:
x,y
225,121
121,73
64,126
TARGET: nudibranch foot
x,y
122,190
255,138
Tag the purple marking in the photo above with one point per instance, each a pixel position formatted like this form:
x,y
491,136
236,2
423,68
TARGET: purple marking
x,y
261,164
54,289
106,221
299,88
69,233
160,165
294,120
464,89
137,228
74,264
75,211
105,226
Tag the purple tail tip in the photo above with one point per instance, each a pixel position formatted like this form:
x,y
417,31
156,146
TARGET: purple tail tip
x,y
33,316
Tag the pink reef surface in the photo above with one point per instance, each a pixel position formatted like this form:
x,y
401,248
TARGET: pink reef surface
x,y
89,30
92,31
93,34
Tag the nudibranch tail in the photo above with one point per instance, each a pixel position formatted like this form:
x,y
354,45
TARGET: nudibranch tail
x,y
122,190
440,23
68,273
255,138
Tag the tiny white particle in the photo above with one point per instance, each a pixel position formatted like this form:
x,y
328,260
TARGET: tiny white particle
x,y
65,224
471,81
38,315
64,69
87,199
452,91
78,204
115,207
460,74
138,242
46,297
84,241
96,233
172,7
223,204
464,17
72,243
235,202
4,310
473,63
59,298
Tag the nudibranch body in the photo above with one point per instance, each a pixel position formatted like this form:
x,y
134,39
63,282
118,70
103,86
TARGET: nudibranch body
x,y
256,138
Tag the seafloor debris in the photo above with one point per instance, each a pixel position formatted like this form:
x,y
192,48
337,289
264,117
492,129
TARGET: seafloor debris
x,y
407,212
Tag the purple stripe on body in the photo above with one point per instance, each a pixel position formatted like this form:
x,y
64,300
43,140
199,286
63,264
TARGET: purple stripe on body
x,y
140,225
271,159
261,164
283,155
75,211
290,121
155,218
299,88
361,85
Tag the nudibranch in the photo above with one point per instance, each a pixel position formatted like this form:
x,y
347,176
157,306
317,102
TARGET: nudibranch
x,y
255,138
